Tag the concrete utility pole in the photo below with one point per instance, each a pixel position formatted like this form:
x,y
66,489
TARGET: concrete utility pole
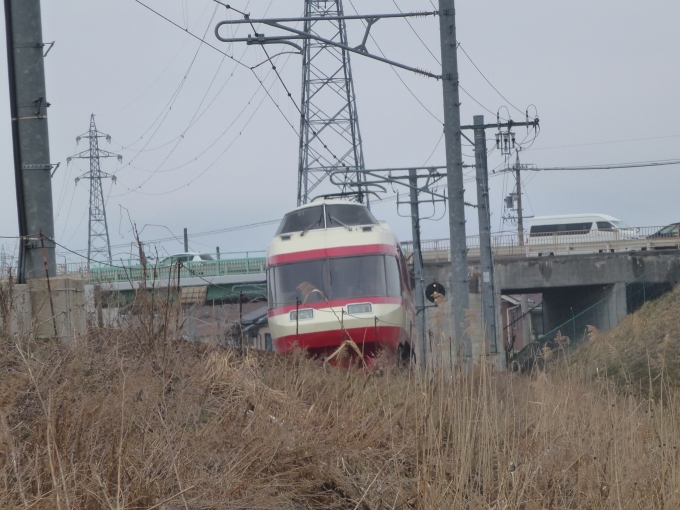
x,y
486,254
421,352
186,241
28,108
520,219
524,299
460,298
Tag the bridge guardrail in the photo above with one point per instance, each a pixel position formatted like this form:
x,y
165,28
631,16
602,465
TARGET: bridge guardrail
x,y
555,243
203,268
434,250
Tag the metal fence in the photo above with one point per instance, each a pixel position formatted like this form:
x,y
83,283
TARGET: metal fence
x,y
433,250
193,269
556,243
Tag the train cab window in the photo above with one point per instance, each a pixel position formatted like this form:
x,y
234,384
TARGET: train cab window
x,y
302,220
347,215
357,277
306,281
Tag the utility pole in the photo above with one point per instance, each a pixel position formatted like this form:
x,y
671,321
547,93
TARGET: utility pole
x,y
486,254
524,299
421,355
186,241
520,219
460,298
28,109
505,141
98,242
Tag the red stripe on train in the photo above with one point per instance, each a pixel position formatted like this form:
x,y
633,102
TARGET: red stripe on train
x,y
336,303
339,251
365,338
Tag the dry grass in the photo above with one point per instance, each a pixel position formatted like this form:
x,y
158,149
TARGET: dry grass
x,y
642,354
141,420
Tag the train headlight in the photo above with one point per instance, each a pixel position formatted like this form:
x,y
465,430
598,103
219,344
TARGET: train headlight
x,y
359,308
306,314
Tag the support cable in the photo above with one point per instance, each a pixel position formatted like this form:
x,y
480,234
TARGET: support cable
x,y
396,73
487,80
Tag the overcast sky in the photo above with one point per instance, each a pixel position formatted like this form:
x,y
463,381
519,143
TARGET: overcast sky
x,y
204,147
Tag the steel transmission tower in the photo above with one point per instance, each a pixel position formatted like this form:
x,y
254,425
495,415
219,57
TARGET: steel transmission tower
x,y
329,126
98,245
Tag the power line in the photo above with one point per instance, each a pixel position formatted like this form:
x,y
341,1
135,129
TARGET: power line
x,y
487,80
206,108
136,190
261,82
416,33
641,164
153,82
168,107
605,143
395,71
202,234
480,104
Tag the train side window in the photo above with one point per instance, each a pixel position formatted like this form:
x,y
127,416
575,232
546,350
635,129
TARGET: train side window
x,y
270,288
393,276
405,277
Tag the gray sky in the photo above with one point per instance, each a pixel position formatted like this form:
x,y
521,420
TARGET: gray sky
x,y
597,72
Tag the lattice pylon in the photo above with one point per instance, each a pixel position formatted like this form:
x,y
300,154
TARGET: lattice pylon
x,y
329,127
98,243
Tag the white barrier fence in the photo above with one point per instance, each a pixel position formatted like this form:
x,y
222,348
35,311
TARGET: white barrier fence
x,y
556,243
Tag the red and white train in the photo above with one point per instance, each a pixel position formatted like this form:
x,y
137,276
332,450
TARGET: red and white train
x,y
336,273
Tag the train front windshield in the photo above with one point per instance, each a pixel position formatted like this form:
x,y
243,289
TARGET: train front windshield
x,y
315,281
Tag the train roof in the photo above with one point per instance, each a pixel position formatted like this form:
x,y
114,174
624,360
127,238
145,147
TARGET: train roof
x,y
327,201
376,236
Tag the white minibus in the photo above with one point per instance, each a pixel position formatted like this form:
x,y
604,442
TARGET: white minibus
x,y
581,233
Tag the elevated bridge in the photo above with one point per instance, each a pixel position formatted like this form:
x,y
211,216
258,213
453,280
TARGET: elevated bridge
x,y
588,283
599,276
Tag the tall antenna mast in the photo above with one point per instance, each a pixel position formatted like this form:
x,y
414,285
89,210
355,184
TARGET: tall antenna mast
x,y
98,244
329,127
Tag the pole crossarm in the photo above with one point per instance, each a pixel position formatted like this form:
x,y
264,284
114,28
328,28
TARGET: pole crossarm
x,y
247,18
259,38
511,124
102,154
